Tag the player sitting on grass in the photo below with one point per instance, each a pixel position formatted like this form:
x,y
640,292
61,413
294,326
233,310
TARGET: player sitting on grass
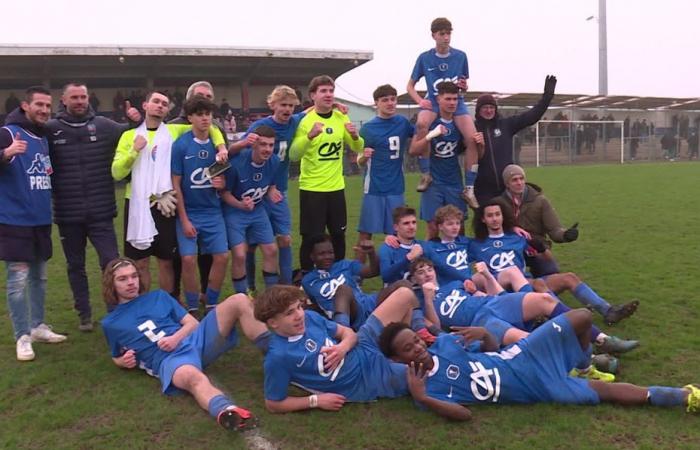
x,y
386,139
325,358
150,330
509,317
251,178
200,220
502,250
332,284
447,375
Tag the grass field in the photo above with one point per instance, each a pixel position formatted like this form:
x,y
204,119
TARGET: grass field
x,y
639,226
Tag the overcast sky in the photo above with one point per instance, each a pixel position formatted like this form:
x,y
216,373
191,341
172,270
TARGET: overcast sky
x,y
653,46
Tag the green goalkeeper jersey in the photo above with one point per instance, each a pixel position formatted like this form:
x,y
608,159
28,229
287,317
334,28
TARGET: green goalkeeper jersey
x,y
322,157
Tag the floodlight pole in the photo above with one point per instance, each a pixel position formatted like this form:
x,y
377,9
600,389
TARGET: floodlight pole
x,y
602,49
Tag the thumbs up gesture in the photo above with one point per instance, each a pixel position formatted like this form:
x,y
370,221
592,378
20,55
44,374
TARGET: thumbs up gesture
x,y
132,113
17,147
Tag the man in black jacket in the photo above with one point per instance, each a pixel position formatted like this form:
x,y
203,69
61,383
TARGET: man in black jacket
x,y
81,147
496,135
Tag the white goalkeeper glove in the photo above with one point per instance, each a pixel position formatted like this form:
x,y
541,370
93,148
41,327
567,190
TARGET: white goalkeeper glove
x,y
166,203
435,132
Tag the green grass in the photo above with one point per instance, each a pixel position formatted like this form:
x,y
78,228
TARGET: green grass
x,y
638,240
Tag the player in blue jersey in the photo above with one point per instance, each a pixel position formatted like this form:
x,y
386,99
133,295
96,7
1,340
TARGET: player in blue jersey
x,y
151,331
443,144
332,285
200,220
326,358
466,369
282,101
397,251
503,250
386,139
438,65
251,178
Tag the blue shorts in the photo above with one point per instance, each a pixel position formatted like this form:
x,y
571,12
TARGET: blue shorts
x,y
552,350
375,216
199,349
501,313
254,224
462,108
280,217
437,196
366,304
380,376
211,235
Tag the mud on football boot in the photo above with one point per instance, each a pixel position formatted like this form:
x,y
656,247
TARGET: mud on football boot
x,y
236,418
618,312
614,345
605,363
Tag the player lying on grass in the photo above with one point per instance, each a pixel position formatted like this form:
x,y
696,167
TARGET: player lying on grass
x,y
509,317
332,285
325,358
464,368
150,330
502,250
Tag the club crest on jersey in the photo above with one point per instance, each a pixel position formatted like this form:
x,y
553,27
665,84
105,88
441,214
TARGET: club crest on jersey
x,y
498,244
443,67
497,132
310,345
452,372
203,154
257,176
329,130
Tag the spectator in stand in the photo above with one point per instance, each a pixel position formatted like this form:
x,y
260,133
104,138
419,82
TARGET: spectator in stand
x,y
94,102
668,144
496,135
229,124
225,108
11,103
693,144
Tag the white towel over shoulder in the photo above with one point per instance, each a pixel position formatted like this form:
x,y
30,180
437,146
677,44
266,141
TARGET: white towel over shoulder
x,y
150,175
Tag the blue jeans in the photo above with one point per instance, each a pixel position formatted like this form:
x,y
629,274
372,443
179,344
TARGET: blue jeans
x,y
26,290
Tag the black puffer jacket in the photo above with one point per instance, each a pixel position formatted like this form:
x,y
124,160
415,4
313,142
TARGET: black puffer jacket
x,y
498,146
82,149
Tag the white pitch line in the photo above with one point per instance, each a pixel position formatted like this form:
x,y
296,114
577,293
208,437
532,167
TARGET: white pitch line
x,y
256,441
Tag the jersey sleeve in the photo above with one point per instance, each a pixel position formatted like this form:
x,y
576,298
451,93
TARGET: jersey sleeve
x,y
277,378
355,268
274,168
465,66
356,145
388,269
124,156
418,72
473,252
177,312
301,143
177,156
115,347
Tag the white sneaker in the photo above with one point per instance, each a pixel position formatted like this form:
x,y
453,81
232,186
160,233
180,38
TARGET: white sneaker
x,y
43,333
25,352
469,197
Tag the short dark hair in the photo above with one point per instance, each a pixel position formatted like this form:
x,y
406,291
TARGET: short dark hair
x,y
150,94
319,239
389,333
400,212
321,80
447,87
481,231
264,131
73,84
275,300
440,24
29,93
383,91
416,263
199,104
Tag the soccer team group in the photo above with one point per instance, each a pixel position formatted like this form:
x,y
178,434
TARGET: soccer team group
x,y
460,320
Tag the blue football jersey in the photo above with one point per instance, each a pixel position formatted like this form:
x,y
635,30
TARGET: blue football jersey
x,y
444,155
320,285
462,377
139,324
190,159
451,259
247,179
500,252
393,265
284,133
389,138
436,69
298,360
457,307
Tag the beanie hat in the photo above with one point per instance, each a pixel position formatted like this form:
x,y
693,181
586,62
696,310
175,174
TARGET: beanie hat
x,y
485,99
512,170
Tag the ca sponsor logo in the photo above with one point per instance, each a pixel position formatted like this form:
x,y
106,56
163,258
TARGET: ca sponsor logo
x,y
445,149
255,193
200,178
451,303
440,80
486,383
328,288
457,259
330,151
503,260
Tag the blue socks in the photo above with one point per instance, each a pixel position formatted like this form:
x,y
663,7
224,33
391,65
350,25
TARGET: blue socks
x,y
270,278
240,285
342,319
559,309
212,297
526,288
192,299
666,396
417,319
469,177
285,262
588,297
424,164
217,404
250,266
